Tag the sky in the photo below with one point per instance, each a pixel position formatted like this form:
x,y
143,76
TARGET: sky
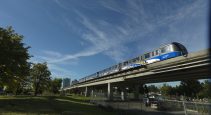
x,y
80,37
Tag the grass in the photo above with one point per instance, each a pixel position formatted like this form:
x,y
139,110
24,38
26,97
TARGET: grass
x,y
49,105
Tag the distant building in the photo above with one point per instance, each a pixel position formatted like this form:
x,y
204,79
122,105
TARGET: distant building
x,y
66,82
74,82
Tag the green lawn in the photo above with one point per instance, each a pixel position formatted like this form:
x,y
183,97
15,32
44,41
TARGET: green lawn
x,y
53,105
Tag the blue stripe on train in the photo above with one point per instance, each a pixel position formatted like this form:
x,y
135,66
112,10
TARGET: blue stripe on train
x,y
168,55
135,65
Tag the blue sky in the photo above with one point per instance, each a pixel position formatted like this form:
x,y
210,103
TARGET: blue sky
x,y
80,37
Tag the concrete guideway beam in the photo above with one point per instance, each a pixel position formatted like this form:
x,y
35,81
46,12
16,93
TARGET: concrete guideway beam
x,y
194,65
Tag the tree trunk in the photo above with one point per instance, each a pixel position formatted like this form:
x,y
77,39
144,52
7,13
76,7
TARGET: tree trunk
x,y
36,89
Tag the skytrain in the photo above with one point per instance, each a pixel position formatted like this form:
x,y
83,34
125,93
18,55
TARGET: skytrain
x,y
164,52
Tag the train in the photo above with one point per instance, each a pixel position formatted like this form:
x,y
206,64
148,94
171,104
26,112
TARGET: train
x,y
164,52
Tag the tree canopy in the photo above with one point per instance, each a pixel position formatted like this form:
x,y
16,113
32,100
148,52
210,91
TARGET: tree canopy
x,y
190,87
56,85
14,66
41,77
16,74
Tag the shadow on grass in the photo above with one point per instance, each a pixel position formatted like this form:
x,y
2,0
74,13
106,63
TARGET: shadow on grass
x,y
143,111
79,99
48,105
55,105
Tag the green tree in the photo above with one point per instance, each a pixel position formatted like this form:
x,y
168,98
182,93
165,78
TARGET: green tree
x,y
206,90
41,77
190,88
25,86
174,91
166,89
14,67
56,85
153,88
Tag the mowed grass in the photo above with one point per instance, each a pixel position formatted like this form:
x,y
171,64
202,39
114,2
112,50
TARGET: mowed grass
x,y
49,105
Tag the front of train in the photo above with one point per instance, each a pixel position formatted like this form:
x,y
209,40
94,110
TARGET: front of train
x,y
168,51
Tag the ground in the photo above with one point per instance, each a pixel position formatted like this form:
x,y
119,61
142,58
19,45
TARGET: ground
x,y
70,105
53,105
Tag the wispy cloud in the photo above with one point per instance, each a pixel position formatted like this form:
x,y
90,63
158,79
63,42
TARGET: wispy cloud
x,y
53,54
58,71
60,4
137,23
106,37
112,39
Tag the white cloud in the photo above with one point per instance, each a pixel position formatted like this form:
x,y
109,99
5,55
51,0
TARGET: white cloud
x,y
110,39
58,71
106,37
60,4
96,34
52,54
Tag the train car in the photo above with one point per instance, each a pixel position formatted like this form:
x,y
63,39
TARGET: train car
x,y
133,63
164,52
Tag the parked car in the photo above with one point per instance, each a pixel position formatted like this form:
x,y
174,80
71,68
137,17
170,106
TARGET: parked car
x,y
152,100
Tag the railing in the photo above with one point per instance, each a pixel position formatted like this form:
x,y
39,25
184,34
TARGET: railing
x,y
129,107
190,107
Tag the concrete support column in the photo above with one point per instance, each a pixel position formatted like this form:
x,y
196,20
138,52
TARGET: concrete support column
x,y
123,94
136,92
86,91
92,93
110,92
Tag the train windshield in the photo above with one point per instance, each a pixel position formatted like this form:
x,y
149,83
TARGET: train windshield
x,y
165,49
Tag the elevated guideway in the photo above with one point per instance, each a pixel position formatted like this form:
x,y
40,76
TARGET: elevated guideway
x,y
193,66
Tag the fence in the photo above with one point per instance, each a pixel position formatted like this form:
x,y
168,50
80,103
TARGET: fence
x,y
167,107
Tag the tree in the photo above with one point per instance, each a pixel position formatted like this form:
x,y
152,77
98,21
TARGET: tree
x,y
25,86
41,77
190,88
56,85
206,91
166,89
153,88
13,59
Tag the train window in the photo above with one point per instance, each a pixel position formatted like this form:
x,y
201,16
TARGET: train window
x,y
140,58
135,59
125,63
115,66
147,55
152,53
163,50
168,48
156,52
